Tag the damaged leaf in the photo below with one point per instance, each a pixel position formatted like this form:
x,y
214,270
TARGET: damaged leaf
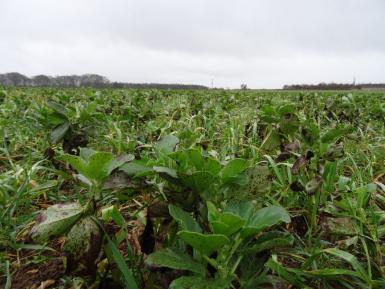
x,y
259,179
83,242
301,161
339,226
312,186
55,221
286,150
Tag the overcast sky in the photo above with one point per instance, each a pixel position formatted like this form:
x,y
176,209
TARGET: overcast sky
x,y
263,43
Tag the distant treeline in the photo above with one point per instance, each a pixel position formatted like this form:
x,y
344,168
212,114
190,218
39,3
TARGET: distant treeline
x,y
334,86
156,85
86,80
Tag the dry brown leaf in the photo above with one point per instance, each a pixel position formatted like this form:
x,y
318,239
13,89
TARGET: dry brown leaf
x,y
47,283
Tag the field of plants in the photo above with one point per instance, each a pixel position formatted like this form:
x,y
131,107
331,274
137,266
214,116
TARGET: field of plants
x,y
199,189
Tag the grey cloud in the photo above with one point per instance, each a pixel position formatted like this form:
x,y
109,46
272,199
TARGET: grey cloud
x,y
263,43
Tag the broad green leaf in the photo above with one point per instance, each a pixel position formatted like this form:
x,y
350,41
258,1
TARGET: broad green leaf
x,y
55,221
164,170
269,114
87,112
264,218
227,224
55,119
175,260
310,131
184,219
196,159
83,179
191,282
205,244
191,159
85,153
135,168
199,182
96,165
166,144
59,132
58,108
335,133
232,170
330,176
289,123
118,161
242,208
212,166
76,162
287,108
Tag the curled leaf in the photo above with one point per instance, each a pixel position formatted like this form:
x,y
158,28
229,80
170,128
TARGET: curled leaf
x,y
303,160
286,150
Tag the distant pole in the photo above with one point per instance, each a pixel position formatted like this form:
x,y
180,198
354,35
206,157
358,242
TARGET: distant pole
x,y
354,80
212,83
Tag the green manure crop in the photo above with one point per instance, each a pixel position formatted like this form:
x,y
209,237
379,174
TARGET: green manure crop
x,y
117,188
